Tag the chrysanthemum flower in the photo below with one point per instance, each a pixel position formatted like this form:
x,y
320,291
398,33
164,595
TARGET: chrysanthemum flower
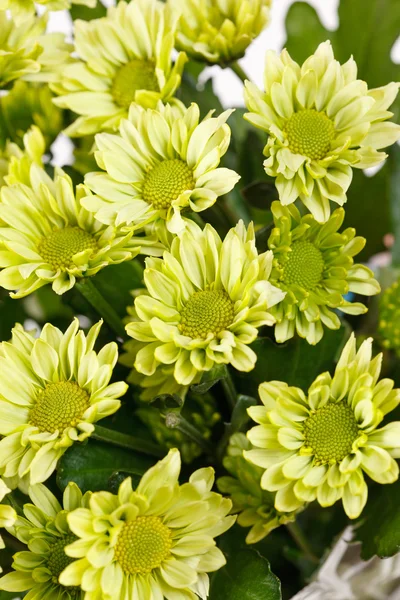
x,y
206,299
52,390
321,121
152,542
162,162
313,264
44,529
254,506
319,446
7,513
27,51
50,237
219,31
15,163
389,317
23,10
125,58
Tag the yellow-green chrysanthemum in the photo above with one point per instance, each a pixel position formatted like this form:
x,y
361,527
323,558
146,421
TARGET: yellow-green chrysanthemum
x,y
27,51
49,237
207,297
7,513
52,390
23,10
219,31
162,162
254,506
125,58
321,121
389,318
313,264
156,541
45,531
15,163
318,447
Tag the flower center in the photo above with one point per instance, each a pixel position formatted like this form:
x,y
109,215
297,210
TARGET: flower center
x,y
305,266
143,545
310,133
58,560
330,432
58,248
206,312
135,75
166,182
58,406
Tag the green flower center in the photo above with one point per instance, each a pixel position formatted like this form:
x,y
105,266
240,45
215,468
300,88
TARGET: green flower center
x,y
310,133
58,560
143,545
210,311
305,266
166,182
58,406
134,76
58,248
330,432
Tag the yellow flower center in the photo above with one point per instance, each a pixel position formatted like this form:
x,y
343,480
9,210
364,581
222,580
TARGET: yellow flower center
x,y
166,182
143,545
58,248
305,266
330,432
134,76
58,406
58,560
210,311
310,133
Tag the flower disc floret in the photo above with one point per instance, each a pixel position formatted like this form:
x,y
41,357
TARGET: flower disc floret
x,y
166,182
321,122
53,389
59,248
205,300
318,446
314,265
136,75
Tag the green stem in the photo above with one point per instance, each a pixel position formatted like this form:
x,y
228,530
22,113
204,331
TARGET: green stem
x,y
122,440
176,421
302,542
100,304
236,68
229,388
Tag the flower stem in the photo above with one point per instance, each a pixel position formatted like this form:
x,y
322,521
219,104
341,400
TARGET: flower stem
x,y
236,68
122,440
100,304
176,421
302,542
229,388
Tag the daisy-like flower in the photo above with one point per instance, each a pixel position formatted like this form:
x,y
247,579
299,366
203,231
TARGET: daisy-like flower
x,y
254,506
219,31
49,237
52,390
389,318
125,58
321,122
15,163
162,162
7,513
313,264
27,51
154,541
44,529
318,447
207,297
23,10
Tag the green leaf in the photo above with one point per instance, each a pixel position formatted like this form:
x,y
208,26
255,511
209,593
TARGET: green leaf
x,y
394,161
304,31
80,11
91,465
209,379
246,576
116,282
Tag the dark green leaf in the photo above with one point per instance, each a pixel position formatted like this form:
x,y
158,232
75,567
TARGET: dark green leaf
x,y
239,414
80,11
209,379
304,31
394,162
260,194
116,282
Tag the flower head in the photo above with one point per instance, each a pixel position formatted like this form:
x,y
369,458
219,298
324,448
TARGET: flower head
x,y
162,162
124,58
7,513
313,264
23,10
27,51
52,390
49,237
254,506
219,31
321,122
207,297
389,317
44,529
15,163
319,446
154,541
